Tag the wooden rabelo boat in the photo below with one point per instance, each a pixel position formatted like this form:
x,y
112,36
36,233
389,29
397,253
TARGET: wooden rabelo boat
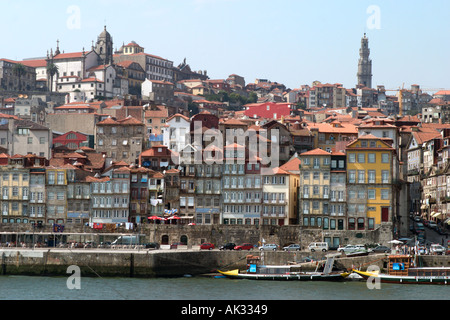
x,y
257,271
401,269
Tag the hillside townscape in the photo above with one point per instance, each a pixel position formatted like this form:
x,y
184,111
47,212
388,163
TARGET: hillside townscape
x,y
108,137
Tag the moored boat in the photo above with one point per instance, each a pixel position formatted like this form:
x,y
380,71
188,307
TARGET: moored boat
x,y
258,271
401,269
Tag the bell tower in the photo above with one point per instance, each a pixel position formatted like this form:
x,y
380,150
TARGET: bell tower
x,y
364,75
104,47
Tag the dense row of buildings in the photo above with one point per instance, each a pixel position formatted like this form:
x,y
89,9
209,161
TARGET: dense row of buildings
x,y
112,138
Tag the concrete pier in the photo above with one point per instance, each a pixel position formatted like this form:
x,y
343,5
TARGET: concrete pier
x,y
161,263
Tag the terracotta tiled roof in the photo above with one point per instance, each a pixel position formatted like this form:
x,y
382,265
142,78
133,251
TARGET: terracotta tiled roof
x,y
154,152
437,101
442,93
292,165
422,137
91,80
178,115
75,155
108,120
328,128
129,121
100,67
160,112
278,170
316,152
68,55
234,122
94,179
35,63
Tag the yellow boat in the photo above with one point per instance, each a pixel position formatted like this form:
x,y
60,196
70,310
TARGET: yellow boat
x,y
402,270
283,272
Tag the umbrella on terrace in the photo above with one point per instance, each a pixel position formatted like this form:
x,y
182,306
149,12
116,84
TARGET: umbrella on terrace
x,y
155,218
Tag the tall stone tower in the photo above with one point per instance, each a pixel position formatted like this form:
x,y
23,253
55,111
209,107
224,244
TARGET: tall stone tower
x,y
104,47
365,64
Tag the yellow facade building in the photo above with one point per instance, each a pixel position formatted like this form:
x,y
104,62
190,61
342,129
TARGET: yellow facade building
x,y
15,192
370,182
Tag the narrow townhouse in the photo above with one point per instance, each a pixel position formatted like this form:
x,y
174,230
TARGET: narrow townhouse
x,y
279,198
110,196
15,182
371,185
314,203
208,190
156,197
56,191
139,194
38,192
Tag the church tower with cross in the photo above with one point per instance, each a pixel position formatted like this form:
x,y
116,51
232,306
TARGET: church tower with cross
x,y
104,47
364,75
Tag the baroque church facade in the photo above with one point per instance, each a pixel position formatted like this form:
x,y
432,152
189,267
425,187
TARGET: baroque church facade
x,y
84,75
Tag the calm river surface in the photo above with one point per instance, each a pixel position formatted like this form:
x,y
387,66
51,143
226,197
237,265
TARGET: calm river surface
x,y
207,288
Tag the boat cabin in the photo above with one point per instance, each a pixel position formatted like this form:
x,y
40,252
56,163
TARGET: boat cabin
x,y
254,266
252,263
399,265
402,265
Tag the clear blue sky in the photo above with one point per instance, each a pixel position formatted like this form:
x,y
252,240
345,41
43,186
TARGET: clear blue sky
x,y
289,41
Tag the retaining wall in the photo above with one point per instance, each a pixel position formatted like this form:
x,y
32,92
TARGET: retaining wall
x,y
154,263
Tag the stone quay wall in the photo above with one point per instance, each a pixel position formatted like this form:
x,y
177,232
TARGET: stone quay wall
x,y
281,235
165,263
219,234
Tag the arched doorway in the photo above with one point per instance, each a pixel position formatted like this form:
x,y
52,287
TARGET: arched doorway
x,y
184,239
165,239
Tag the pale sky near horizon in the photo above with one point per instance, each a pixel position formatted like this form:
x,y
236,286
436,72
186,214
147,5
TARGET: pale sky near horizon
x,y
293,42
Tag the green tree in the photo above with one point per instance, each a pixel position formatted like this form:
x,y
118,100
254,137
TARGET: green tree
x,y
19,71
52,70
252,97
193,108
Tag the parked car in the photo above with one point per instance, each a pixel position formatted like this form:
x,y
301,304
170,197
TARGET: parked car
x,y
437,249
207,246
244,246
350,248
152,245
292,247
432,225
268,246
176,244
380,249
421,236
417,219
318,246
419,227
228,246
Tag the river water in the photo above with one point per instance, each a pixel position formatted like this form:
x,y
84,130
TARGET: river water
x,y
206,288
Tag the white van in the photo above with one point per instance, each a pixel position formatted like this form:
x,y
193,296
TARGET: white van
x,y
318,246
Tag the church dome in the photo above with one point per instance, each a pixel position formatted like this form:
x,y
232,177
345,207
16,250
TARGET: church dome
x,y
105,34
